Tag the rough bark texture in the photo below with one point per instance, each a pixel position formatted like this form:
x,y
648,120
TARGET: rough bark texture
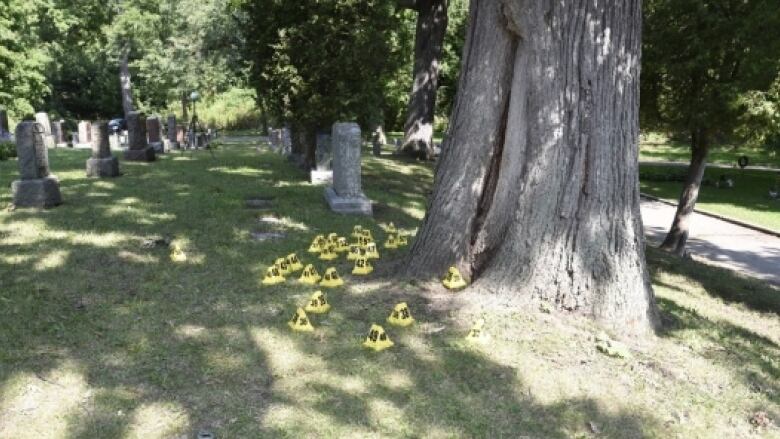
x,y
429,38
536,192
678,234
125,82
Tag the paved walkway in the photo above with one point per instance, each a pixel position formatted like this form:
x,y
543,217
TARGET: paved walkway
x,y
738,248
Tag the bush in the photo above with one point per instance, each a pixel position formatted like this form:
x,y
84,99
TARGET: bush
x,y
7,150
235,109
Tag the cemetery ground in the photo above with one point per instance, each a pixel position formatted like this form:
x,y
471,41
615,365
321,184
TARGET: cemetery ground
x,y
658,147
103,335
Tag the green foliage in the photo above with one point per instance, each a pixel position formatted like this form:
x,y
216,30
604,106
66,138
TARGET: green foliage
x,y
458,14
315,62
23,59
235,109
705,62
7,150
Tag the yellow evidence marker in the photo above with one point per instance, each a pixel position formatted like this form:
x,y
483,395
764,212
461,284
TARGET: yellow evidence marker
x,y
328,253
377,339
357,231
363,241
331,278
333,238
477,332
371,251
454,280
318,304
354,252
294,263
300,321
362,266
178,255
401,315
367,234
342,245
390,228
283,266
310,275
402,240
273,276
391,242
317,244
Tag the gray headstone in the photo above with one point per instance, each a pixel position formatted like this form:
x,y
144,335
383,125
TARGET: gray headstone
x,y
154,130
37,188
173,138
4,129
138,148
43,119
85,134
57,131
323,155
286,141
102,163
346,194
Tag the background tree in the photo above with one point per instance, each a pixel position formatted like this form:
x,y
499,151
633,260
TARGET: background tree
x,y
536,194
429,40
700,60
316,62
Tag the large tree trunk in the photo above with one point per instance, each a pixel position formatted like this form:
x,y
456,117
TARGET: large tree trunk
x,y
184,104
536,194
678,234
429,38
125,82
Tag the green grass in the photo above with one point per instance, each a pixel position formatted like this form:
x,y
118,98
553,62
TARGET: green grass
x,y
656,147
748,201
103,337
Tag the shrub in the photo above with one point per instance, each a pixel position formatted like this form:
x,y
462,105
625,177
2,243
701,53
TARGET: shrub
x,y
7,150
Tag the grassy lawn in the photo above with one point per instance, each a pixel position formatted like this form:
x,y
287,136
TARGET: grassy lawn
x,y
748,201
657,147
103,336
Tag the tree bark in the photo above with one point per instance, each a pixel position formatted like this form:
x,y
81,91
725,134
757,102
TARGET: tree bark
x,y
678,234
184,104
429,38
125,82
536,194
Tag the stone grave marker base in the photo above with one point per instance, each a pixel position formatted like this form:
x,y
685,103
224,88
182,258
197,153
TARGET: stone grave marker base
x,y
321,177
356,205
159,147
107,167
141,155
38,192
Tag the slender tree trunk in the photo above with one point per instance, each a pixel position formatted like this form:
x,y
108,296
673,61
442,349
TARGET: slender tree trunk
x,y
536,194
184,104
678,234
125,82
429,38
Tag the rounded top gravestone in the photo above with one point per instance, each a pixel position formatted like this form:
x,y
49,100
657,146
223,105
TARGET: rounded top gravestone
x,y
33,157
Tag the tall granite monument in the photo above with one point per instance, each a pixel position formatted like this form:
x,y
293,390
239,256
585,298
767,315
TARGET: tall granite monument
x,y
154,130
173,139
85,135
102,163
346,194
43,119
137,147
37,187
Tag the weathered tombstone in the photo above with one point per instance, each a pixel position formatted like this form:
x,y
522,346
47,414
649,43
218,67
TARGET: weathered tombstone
x,y
85,135
323,157
43,119
181,134
346,194
37,187
286,141
5,132
102,163
58,132
154,129
173,137
137,147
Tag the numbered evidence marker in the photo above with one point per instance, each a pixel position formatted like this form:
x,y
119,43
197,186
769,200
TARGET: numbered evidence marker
x,y
362,266
371,251
357,231
283,266
329,253
377,339
294,263
391,242
331,279
310,275
177,254
342,245
273,276
401,315
300,321
454,280
318,304
477,332
317,244
355,251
